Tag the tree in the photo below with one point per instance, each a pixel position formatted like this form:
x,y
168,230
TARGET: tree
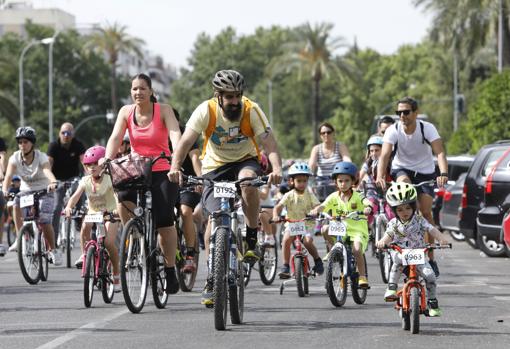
x,y
311,53
114,40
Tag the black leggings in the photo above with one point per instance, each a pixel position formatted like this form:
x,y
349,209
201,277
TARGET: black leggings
x,y
164,197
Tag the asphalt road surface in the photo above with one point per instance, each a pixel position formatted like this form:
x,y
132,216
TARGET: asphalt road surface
x,y
473,291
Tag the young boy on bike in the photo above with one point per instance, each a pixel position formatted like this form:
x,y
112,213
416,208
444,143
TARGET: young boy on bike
x,y
343,202
298,201
408,230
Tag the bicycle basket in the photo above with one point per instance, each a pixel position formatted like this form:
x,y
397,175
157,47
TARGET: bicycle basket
x,y
130,171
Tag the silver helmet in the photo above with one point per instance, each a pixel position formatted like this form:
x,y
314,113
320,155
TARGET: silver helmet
x,y
228,81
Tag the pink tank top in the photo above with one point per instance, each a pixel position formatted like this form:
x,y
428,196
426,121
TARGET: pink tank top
x,y
151,140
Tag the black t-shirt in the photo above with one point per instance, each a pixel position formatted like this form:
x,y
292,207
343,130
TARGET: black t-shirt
x,y
187,165
2,145
66,162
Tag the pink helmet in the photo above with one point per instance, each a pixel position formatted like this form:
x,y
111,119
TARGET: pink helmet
x,y
93,154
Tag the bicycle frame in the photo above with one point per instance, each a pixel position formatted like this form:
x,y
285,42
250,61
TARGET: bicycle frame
x,y
99,245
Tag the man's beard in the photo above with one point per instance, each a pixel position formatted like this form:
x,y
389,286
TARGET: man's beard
x,y
232,112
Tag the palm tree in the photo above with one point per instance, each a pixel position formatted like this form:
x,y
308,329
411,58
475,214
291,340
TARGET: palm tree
x,y
311,53
113,40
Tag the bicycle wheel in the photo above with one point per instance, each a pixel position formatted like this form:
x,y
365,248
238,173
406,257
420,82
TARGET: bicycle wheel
x,y
384,257
27,258
67,247
11,232
158,279
133,262
300,275
336,281
236,293
220,278
43,258
106,276
89,277
415,310
268,264
406,319
359,294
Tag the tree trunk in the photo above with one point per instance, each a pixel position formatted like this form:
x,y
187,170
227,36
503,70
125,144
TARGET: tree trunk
x,y
316,109
113,88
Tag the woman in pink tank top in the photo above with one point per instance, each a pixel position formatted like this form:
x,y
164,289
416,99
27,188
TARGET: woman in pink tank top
x,y
150,124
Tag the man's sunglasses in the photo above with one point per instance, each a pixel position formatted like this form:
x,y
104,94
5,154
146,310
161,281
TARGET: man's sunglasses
x,y
326,132
405,112
66,133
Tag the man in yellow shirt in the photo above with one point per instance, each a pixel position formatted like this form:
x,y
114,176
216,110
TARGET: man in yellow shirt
x,y
232,127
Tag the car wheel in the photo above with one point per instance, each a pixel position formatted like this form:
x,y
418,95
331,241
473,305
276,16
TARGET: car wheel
x,y
490,247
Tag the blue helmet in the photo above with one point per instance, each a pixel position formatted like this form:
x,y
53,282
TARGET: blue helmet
x,y
344,167
299,168
377,140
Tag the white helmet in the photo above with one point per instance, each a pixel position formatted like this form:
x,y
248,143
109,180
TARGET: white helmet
x,y
228,81
299,168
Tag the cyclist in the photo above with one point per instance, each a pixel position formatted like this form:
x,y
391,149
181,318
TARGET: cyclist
x,y
368,172
266,204
232,127
188,201
342,203
99,190
408,229
413,142
150,125
33,167
298,202
3,165
65,156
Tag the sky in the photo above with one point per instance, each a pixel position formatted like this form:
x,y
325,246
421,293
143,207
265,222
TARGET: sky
x,y
170,27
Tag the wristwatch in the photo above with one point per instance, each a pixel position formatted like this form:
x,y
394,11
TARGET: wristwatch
x,y
443,174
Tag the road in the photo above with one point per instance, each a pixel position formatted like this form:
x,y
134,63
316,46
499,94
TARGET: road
x,y
473,291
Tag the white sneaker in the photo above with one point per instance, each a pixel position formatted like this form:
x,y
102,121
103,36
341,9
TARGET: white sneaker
x,y
79,262
51,257
14,246
117,287
58,258
269,240
3,250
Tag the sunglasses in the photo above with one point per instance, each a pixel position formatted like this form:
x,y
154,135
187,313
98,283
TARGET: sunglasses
x,y
66,133
326,132
405,112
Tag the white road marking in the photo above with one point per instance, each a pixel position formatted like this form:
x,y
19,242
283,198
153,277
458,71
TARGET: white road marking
x,y
75,333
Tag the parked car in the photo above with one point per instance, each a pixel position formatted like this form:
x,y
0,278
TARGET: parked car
x,y
505,232
496,203
457,164
474,184
449,213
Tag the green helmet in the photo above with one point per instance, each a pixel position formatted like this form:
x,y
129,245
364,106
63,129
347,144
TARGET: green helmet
x,y
401,193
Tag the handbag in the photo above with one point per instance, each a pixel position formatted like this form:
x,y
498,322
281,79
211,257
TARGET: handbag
x,y
130,171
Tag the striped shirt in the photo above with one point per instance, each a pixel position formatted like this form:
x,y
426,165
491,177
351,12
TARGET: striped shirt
x,y
325,165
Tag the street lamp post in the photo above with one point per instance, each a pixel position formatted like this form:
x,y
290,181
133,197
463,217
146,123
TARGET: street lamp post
x,y
50,42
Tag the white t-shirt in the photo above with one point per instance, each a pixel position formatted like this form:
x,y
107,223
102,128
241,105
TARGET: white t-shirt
x,y
412,154
32,176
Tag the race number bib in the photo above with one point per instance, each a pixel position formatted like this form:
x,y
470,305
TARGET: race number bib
x,y
413,257
224,190
337,228
94,218
297,228
26,200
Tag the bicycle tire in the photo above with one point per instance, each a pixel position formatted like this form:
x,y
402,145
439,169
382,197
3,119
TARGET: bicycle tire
x,y
236,290
336,285
27,258
220,278
405,318
11,232
106,276
67,247
133,271
268,265
415,310
43,258
89,277
298,265
158,279
359,294
384,257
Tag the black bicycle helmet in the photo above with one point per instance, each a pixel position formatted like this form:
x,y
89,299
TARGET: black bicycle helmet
x,y
26,132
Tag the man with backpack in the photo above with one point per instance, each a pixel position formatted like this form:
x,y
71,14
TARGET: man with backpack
x,y
234,130
412,143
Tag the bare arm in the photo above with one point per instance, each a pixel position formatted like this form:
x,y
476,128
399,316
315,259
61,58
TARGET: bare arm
x,y
386,239
185,143
312,162
195,161
344,151
47,172
384,160
117,134
277,210
171,124
52,161
269,144
3,164
438,149
73,200
436,234
11,169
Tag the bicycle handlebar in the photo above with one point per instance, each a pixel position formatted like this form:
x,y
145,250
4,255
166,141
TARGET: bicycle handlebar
x,y
427,247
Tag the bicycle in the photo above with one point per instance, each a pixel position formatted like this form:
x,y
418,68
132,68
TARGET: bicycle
x,y
186,280
141,258
226,249
97,269
32,246
299,264
68,225
411,302
10,228
342,268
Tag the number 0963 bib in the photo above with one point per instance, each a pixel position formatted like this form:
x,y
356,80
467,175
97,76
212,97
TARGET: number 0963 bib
x,y
413,257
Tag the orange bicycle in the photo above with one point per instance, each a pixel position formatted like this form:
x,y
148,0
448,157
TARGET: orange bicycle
x,y
411,300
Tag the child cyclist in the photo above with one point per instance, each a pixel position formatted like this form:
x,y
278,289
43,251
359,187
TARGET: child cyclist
x,y
408,229
101,198
298,202
342,203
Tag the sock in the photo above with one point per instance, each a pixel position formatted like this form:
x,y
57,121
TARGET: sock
x,y
251,237
190,252
170,271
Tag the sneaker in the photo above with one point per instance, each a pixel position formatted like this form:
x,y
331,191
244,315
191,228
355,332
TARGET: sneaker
x,y
326,257
363,282
434,267
189,265
117,287
172,284
434,310
58,258
251,256
79,262
51,257
319,267
390,295
3,250
285,272
14,246
269,240
208,293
